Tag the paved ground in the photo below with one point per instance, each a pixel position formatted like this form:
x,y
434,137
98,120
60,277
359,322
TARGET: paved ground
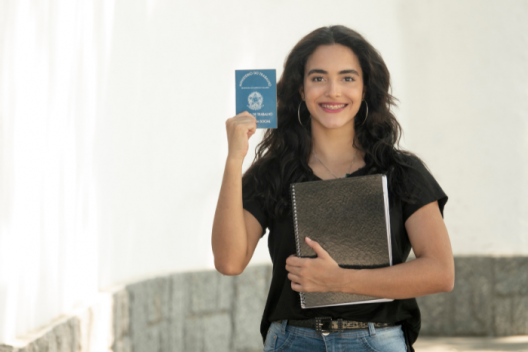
x,y
473,344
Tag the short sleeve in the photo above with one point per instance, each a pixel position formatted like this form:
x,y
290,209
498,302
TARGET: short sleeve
x,y
256,208
425,190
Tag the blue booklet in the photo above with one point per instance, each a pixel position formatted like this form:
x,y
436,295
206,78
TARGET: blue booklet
x,y
256,93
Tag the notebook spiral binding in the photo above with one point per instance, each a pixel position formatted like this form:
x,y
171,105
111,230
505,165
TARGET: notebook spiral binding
x,y
296,228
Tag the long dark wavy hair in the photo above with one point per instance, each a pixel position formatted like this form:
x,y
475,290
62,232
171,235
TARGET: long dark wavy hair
x,y
282,156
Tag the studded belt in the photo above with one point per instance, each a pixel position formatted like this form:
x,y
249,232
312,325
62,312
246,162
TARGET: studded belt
x,y
326,324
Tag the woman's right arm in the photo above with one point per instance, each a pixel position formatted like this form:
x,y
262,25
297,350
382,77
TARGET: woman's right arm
x,y
235,231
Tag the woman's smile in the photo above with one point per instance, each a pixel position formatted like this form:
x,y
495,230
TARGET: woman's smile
x,y
333,107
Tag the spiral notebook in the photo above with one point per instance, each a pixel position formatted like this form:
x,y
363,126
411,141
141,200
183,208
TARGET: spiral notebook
x,y
349,218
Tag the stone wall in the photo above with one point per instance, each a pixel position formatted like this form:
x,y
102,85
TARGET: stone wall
x,y
490,298
198,311
205,311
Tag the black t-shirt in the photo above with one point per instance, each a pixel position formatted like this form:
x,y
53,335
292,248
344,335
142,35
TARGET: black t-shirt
x,y
284,303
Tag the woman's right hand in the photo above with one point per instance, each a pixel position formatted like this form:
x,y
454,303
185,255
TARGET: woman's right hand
x,y
239,129
236,231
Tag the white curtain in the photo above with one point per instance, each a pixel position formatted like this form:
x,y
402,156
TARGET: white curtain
x,y
52,58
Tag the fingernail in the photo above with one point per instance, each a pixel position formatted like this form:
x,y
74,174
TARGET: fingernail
x,y
308,238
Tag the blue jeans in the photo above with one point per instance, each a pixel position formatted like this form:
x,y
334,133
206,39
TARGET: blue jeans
x,y
282,337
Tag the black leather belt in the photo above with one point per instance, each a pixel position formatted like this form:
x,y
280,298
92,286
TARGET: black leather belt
x,y
326,324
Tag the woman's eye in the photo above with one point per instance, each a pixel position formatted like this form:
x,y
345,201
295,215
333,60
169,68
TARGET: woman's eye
x,y
317,79
349,79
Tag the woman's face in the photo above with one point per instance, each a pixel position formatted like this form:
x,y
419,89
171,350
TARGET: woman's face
x,y
333,86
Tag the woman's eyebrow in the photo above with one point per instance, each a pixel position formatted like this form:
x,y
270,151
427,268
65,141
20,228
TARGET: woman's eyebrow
x,y
354,72
316,70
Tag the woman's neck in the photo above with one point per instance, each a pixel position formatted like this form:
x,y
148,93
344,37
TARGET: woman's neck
x,y
334,145
335,152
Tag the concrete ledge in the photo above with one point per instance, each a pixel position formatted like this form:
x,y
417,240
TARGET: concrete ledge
x,y
86,329
476,344
195,311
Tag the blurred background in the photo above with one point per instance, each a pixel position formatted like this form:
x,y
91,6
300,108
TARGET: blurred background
x,y
113,143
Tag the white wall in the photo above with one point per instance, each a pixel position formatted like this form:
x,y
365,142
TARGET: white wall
x,y
466,70
113,136
162,142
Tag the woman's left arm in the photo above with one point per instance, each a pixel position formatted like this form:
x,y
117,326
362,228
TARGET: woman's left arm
x,y
432,271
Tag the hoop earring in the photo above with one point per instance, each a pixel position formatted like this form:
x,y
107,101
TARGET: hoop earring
x,y
299,113
366,115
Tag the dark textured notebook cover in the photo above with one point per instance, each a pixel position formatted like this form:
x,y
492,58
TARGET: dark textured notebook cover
x,y
349,218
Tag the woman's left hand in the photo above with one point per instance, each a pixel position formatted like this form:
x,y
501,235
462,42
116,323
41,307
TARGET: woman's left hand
x,y
321,274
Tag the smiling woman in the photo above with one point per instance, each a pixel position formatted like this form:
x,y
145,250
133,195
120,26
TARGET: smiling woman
x,y
334,120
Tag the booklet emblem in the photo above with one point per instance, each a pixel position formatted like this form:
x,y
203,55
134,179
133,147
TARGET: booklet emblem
x,y
255,101
256,93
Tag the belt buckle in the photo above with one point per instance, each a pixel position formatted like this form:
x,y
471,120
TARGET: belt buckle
x,y
323,324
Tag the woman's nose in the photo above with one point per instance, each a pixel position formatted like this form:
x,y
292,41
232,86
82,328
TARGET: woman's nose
x,y
334,90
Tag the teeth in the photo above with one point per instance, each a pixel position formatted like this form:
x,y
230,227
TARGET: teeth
x,y
333,107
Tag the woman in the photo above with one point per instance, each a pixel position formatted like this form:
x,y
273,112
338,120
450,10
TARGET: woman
x,y
334,120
